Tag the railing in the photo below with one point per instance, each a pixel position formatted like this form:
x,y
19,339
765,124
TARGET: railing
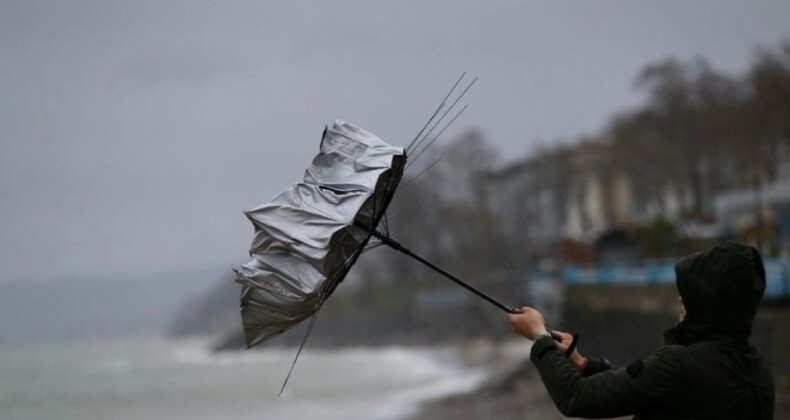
x,y
777,274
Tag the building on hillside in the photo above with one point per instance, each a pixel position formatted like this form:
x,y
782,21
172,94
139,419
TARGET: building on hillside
x,y
600,192
529,200
761,217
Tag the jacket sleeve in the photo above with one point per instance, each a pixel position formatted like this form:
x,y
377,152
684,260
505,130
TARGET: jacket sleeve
x,y
596,365
610,393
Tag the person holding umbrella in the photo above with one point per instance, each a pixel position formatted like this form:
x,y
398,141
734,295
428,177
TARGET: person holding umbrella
x,y
707,370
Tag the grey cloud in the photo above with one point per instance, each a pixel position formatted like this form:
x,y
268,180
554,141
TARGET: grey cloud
x,y
176,67
133,134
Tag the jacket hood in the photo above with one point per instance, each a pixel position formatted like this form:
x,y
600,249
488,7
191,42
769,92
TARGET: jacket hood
x,y
721,289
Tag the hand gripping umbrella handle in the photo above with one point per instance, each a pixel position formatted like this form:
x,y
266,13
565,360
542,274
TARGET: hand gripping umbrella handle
x,y
387,240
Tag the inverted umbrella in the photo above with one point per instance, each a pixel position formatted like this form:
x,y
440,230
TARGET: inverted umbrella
x,y
308,237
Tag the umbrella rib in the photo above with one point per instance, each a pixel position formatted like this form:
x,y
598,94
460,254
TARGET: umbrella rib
x,y
386,223
417,146
383,223
438,135
373,246
346,264
375,208
406,184
441,105
394,215
391,180
301,346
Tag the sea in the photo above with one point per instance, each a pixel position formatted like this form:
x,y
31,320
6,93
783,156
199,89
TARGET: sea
x,y
157,378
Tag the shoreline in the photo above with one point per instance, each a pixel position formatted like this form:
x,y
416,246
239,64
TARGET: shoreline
x,y
511,390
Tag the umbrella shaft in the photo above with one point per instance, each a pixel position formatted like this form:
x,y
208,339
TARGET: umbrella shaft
x,y
386,240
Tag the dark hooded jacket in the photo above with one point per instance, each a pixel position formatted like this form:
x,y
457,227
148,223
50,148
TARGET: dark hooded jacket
x,y
707,370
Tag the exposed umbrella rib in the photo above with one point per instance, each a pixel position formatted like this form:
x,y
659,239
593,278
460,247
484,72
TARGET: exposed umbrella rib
x,y
373,242
444,129
438,135
396,179
426,135
406,184
346,264
343,256
433,127
408,148
375,207
373,246
439,108
394,215
301,346
348,261
385,224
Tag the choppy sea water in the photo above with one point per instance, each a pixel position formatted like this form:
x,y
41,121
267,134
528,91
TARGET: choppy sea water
x,y
163,379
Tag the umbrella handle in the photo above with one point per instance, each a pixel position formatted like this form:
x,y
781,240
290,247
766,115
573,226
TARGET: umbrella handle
x,y
557,337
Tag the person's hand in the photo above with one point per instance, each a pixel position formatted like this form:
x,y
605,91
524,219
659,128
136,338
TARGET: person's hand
x,y
577,360
527,323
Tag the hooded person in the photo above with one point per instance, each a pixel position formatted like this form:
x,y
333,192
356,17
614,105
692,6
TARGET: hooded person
x,y
707,370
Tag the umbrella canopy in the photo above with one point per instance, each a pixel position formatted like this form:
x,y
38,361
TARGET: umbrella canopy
x,y
308,237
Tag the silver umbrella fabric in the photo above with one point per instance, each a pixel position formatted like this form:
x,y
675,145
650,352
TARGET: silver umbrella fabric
x,y
308,237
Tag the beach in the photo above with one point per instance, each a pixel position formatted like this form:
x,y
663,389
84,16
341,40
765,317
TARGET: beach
x,y
186,380
512,389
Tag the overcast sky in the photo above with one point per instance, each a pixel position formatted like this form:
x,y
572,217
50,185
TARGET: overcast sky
x,y
133,134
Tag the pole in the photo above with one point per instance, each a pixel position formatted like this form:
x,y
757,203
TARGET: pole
x,y
392,243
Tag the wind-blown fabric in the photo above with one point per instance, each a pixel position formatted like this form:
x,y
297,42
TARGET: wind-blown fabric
x,y
306,239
